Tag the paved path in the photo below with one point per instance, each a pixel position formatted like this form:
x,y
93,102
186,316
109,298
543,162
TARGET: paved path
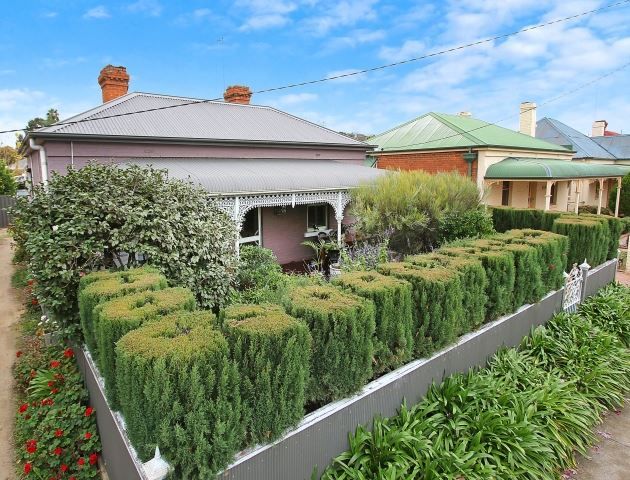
x,y
610,458
9,312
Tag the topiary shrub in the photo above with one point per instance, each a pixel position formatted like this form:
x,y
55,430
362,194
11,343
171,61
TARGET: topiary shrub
x,y
342,326
508,218
547,220
104,285
588,238
615,227
437,296
178,389
272,351
465,224
118,316
474,283
393,340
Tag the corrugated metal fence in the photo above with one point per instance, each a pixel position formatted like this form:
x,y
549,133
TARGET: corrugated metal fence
x,y
5,202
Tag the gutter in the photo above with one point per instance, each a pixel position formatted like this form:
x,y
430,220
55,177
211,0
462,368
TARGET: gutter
x,y
43,160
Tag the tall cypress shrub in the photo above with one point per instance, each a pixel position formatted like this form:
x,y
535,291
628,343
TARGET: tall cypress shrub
x,y
272,351
615,227
104,285
437,295
393,340
179,389
118,316
342,326
588,238
508,218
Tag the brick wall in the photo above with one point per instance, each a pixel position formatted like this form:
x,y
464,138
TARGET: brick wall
x,y
432,162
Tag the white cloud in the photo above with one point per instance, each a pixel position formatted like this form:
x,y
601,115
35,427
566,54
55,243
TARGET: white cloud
x,y
97,12
409,49
296,98
49,14
266,14
17,107
342,13
261,22
62,62
355,38
152,8
7,71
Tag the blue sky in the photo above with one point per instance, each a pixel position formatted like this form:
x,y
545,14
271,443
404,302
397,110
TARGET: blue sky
x,y
52,51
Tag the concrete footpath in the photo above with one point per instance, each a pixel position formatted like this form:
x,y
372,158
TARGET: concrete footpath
x,y
610,458
10,308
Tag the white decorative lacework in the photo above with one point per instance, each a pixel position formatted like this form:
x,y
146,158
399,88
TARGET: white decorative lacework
x,y
238,206
574,286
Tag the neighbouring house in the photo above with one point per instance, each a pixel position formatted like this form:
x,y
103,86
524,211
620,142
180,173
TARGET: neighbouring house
x,y
511,168
281,178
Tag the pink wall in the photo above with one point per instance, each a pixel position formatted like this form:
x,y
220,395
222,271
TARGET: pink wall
x,y
284,233
59,153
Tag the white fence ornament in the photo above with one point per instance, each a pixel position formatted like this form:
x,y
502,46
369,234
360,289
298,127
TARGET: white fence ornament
x,y
574,287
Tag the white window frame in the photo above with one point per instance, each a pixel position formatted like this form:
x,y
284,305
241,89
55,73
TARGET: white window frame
x,y
308,224
257,239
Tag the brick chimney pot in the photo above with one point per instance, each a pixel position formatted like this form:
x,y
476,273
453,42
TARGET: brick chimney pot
x,y
114,82
237,94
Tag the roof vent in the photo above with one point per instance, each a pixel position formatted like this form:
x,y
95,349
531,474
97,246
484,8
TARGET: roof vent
x,y
237,94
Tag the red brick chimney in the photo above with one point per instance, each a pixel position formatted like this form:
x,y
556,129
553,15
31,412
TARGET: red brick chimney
x,y
114,82
237,94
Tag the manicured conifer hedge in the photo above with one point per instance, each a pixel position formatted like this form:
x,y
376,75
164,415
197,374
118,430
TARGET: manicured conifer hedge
x,y
393,342
179,389
507,218
438,296
588,239
342,326
116,317
272,351
100,286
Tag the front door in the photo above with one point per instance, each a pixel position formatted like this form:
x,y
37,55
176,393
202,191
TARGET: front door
x,y
531,199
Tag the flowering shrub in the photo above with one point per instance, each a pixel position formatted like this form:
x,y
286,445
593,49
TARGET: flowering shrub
x,y
55,432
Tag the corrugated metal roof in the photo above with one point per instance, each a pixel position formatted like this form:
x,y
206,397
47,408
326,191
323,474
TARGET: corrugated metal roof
x,y
442,131
541,168
618,145
219,121
248,176
553,131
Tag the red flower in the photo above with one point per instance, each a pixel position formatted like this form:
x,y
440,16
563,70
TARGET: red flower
x,y
51,383
18,354
31,446
93,458
27,467
33,373
68,353
23,407
88,411
58,432
57,451
72,478
54,390
55,364
34,301
64,467
88,435
47,401
81,461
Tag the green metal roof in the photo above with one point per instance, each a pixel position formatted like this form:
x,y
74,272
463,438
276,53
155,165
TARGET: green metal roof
x,y
522,168
434,131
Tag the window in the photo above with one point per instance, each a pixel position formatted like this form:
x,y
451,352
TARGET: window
x,y
250,230
316,216
505,193
554,192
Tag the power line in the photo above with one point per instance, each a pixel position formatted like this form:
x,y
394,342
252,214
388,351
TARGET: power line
x,y
546,102
357,72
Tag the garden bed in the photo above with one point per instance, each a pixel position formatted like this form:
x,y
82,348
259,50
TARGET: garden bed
x,y
323,434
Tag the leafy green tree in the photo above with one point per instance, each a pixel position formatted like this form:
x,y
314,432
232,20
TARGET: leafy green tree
x,y
7,182
105,216
9,155
624,200
410,208
52,116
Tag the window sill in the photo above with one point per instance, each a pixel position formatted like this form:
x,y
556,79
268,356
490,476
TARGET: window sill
x,y
317,232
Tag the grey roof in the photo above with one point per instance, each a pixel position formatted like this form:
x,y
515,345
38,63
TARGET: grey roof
x,y
557,132
195,119
248,176
618,145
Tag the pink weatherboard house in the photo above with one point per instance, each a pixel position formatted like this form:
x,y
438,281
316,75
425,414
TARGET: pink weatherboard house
x,y
281,178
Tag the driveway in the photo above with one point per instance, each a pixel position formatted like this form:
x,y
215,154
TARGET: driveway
x,y
9,313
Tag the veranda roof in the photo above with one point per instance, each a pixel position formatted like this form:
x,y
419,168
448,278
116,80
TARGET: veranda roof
x,y
524,168
264,176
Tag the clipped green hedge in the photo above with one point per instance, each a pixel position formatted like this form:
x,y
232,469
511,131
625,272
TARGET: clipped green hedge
x,y
393,341
272,351
508,218
588,238
615,228
104,285
499,267
342,326
438,296
118,316
473,281
179,389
